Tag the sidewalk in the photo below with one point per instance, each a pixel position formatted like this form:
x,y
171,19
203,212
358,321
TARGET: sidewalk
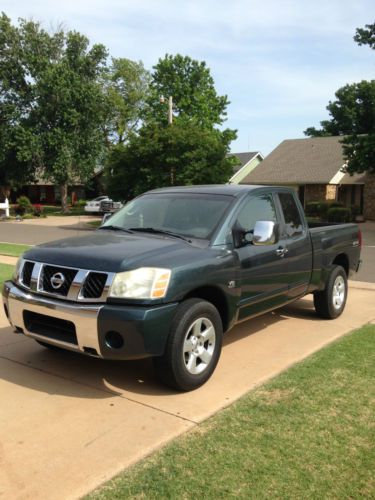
x,y
70,422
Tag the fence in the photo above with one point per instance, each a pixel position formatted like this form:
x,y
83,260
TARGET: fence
x,y
5,206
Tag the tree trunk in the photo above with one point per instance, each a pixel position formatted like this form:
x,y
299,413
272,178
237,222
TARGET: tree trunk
x,y
64,198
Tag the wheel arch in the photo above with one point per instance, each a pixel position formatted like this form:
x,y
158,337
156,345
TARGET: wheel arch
x,y
216,297
342,260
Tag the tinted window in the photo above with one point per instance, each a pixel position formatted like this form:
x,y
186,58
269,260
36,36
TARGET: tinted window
x,y
292,217
256,208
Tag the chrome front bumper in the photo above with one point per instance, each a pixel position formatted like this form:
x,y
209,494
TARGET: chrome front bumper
x,y
84,317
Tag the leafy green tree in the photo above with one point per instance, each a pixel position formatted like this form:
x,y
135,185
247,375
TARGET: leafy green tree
x,y
193,90
196,156
53,102
366,35
191,150
353,117
127,85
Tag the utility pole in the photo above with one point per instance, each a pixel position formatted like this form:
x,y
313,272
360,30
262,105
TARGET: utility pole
x,y
170,110
170,121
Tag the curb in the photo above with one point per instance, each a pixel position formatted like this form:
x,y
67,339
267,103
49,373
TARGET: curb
x,y
361,285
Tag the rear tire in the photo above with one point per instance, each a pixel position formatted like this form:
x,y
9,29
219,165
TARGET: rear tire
x,y
193,346
330,303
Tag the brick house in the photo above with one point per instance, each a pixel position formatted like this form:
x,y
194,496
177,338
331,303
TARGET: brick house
x,y
314,167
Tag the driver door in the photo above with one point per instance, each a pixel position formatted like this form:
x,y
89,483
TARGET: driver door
x,y
263,278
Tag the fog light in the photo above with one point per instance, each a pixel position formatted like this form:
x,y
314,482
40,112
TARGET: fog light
x,y
114,340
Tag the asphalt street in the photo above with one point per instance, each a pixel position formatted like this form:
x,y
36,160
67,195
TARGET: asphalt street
x,y
17,232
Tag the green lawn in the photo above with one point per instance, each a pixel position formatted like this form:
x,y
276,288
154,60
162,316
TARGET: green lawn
x,y
5,273
309,433
56,210
13,249
95,223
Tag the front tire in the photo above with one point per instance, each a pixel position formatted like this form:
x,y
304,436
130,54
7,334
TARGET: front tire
x,y
193,346
330,303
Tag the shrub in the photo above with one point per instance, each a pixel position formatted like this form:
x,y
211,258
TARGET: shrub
x,y
37,210
80,203
339,214
23,205
312,208
356,210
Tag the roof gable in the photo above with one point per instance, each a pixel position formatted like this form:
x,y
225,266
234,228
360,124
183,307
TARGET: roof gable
x,y
314,160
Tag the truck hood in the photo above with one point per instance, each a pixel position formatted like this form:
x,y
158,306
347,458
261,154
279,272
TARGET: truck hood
x,y
115,251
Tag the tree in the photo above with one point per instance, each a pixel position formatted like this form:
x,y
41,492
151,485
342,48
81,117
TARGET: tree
x,y
366,36
127,86
51,84
197,156
353,117
193,90
189,151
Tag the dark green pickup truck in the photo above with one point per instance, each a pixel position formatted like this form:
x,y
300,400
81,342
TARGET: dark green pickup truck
x,y
174,269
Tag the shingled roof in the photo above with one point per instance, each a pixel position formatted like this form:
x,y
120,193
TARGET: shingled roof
x,y
316,160
244,158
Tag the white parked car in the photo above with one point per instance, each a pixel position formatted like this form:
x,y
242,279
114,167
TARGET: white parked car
x,y
102,204
94,205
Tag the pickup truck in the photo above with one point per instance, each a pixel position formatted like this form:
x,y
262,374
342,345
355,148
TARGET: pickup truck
x,y
175,268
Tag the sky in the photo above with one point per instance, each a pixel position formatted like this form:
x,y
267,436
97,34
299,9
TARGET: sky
x,y
279,61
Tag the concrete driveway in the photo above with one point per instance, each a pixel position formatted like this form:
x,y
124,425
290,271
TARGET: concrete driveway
x,y
68,422
367,271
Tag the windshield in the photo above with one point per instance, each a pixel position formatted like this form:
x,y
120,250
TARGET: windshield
x,y
190,215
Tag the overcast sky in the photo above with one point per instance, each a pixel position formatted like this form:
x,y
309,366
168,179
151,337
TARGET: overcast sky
x,y
279,61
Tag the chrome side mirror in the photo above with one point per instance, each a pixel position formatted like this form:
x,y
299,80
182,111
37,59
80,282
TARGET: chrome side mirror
x,y
105,218
265,233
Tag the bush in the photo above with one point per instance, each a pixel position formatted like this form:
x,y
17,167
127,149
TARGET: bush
x,y
320,208
80,203
37,210
339,214
356,210
312,209
23,205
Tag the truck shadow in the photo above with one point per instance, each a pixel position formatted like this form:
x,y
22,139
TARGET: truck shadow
x,y
25,363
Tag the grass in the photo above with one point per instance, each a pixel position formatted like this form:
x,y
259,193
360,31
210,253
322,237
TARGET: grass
x,y
12,249
309,433
94,223
56,211
6,272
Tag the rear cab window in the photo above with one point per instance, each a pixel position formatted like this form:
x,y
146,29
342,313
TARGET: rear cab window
x,y
293,221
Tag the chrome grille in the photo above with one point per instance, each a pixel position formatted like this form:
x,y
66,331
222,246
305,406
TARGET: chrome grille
x,y
80,285
27,272
49,272
94,285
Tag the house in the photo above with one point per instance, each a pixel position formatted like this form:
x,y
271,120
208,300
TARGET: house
x,y
315,168
247,162
47,193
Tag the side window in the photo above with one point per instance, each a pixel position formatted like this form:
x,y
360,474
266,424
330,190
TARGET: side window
x,y
256,208
292,217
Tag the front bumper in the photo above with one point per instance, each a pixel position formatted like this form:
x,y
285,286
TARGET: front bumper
x,y
144,330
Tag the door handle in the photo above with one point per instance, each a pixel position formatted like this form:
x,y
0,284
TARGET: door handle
x,y
281,251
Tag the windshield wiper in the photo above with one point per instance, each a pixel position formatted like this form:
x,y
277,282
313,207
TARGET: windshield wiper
x,y
159,231
116,228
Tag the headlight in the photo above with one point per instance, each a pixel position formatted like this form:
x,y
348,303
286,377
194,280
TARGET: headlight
x,y
17,270
142,283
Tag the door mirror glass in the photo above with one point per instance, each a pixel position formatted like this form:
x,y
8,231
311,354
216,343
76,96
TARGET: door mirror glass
x,y
265,233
